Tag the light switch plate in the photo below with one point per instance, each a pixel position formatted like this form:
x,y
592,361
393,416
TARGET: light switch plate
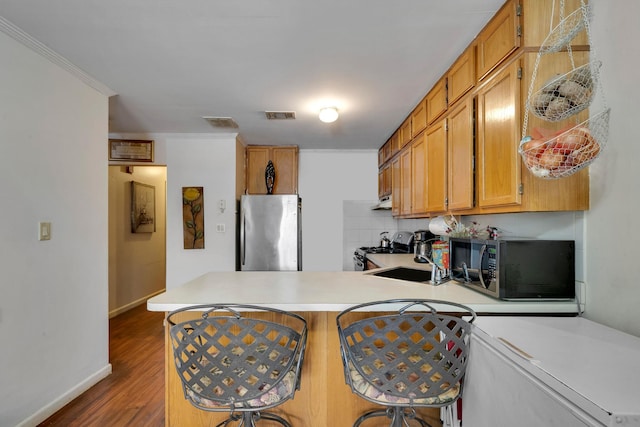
x,y
44,231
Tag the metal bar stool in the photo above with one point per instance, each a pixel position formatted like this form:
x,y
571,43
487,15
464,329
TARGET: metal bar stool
x,y
412,354
244,365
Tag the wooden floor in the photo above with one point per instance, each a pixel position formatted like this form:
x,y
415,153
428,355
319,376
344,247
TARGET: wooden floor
x,y
133,395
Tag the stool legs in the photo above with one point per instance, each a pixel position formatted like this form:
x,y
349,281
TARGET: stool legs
x,y
249,419
400,417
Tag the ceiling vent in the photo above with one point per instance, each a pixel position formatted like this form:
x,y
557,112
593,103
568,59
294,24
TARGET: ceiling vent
x,y
280,115
221,122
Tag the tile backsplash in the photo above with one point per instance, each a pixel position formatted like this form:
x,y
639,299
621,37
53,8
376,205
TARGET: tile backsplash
x,y
362,227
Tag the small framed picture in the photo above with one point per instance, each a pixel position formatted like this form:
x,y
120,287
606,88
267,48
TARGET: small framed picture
x,y
143,208
130,150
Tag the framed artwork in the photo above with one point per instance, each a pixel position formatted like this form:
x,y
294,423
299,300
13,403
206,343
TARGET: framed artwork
x,y
193,217
143,208
130,150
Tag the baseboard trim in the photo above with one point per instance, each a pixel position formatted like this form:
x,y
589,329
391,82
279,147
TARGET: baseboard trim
x,y
53,407
133,304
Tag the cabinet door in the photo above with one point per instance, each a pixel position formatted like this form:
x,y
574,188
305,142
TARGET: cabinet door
x,y
384,181
437,167
460,145
405,181
498,39
419,118
405,132
462,75
285,160
395,143
498,139
257,159
396,186
419,175
437,100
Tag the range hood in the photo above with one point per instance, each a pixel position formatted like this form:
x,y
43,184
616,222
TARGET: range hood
x,y
384,203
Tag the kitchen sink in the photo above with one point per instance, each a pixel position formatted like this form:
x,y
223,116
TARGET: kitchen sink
x,y
405,273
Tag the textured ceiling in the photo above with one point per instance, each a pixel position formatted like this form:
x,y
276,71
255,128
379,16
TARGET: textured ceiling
x,y
172,62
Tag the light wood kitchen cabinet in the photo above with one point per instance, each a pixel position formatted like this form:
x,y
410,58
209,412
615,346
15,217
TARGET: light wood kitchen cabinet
x,y
437,100
460,155
395,143
384,181
285,162
498,135
461,77
436,167
405,132
396,183
499,38
537,20
480,102
419,175
504,182
406,180
419,118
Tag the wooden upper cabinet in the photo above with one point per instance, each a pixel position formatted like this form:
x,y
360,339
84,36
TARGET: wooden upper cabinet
x,y
285,162
395,143
419,175
406,180
499,38
419,118
498,134
405,132
384,181
385,152
396,186
460,159
461,77
437,100
436,138
537,21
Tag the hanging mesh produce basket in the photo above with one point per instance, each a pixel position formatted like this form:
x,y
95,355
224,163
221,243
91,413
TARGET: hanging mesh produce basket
x,y
552,154
565,95
566,30
560,154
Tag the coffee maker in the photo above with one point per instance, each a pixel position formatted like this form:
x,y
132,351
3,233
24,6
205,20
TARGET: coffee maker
x,y
423,240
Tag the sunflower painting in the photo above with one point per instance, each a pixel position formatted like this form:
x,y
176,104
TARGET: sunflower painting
x,y
193,217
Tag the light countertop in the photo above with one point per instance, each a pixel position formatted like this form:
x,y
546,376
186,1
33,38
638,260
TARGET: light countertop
x,y
332,291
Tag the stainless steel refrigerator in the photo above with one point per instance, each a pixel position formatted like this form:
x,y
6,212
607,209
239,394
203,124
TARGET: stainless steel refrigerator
x,y
270,233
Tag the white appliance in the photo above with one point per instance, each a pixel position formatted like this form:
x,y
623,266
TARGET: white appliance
x,y
529,371
270,233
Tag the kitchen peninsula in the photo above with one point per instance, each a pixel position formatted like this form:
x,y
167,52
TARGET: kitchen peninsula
x,y
324,399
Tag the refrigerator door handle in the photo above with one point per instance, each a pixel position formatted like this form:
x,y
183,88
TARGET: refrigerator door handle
x,y
243,242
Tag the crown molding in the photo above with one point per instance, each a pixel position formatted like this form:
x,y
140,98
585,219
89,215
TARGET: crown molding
x,y
41,49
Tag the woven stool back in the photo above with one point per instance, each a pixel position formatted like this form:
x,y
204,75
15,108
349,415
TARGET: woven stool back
x,y
230,359
408,354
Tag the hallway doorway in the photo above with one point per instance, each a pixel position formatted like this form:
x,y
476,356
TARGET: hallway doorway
x,y
137,258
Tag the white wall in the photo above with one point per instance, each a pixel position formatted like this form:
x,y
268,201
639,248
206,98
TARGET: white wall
x,y
53,294
612,232
209,161
326,179
136,260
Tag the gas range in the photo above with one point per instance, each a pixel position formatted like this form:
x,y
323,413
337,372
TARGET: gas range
x,y
401,243
373,250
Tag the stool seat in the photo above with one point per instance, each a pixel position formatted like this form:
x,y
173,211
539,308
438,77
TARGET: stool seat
x,y
410,353
231,361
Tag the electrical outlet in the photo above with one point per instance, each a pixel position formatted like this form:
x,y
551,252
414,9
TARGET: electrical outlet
x,y
44,231
220,228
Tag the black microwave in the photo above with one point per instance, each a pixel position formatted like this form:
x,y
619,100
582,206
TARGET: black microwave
x,y
515,269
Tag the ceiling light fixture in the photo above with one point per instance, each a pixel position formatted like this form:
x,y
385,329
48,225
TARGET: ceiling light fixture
x,y
328,114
